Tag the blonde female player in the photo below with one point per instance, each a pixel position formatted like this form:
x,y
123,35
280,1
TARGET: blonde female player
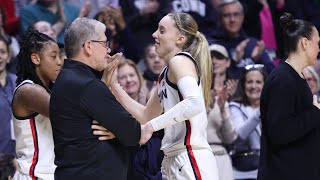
x,y
179,104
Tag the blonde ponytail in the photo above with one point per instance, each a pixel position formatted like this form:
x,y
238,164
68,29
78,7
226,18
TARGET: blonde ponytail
x,y
201,54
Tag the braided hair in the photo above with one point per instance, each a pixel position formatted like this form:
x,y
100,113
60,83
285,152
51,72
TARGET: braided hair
x,y
31,42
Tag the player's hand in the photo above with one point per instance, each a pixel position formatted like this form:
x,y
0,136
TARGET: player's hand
x,y
103,133
110,73
146,133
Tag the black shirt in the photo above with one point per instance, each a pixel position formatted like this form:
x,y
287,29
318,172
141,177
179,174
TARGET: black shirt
x,y
79,97
290,147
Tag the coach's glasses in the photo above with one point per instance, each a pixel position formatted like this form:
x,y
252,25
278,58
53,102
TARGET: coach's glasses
x,y
103,43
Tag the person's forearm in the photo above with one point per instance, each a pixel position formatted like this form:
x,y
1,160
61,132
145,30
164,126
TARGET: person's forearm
x,y
58,26
227,129
191,105
248,126
133,107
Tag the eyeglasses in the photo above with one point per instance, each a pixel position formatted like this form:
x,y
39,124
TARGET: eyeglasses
x,y
103,43
254,66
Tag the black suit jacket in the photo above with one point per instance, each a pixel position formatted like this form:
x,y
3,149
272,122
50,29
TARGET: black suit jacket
x,y
290,147
79,97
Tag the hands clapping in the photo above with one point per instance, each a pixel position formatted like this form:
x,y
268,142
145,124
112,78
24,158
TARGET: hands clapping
x,y
110,73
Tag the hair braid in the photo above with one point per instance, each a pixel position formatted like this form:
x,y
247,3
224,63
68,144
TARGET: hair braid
x,y
31,42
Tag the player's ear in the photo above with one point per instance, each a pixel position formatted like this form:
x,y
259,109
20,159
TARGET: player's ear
x,y
35,58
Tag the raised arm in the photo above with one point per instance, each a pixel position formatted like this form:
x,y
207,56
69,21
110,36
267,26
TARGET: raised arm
x,y
141,113
183,73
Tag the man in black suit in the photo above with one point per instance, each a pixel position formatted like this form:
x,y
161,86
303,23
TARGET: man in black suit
x,y
79,97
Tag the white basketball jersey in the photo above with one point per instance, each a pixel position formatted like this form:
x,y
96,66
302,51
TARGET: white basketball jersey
x,y
189,134
34,145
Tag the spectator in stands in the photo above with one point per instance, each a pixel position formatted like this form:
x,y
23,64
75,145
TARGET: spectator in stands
x,y
130,78
143,20
153,66
221,69
220,128
14,45
96,5
203,11
262,22
45,28
313,79
245,114
11,18
242,49
7,86
19,4
58,13
121,38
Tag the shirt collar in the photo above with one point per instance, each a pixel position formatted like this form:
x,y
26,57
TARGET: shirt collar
x,y
69,63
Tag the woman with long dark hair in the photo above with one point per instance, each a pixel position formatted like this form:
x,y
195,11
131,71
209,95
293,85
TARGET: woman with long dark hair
x,y
289,112
245,114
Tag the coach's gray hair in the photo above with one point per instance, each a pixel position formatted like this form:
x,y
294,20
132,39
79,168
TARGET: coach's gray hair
x,y
226,2
78,32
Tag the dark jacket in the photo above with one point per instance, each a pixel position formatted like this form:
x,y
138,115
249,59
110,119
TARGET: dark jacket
x,y
79,97
290,128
